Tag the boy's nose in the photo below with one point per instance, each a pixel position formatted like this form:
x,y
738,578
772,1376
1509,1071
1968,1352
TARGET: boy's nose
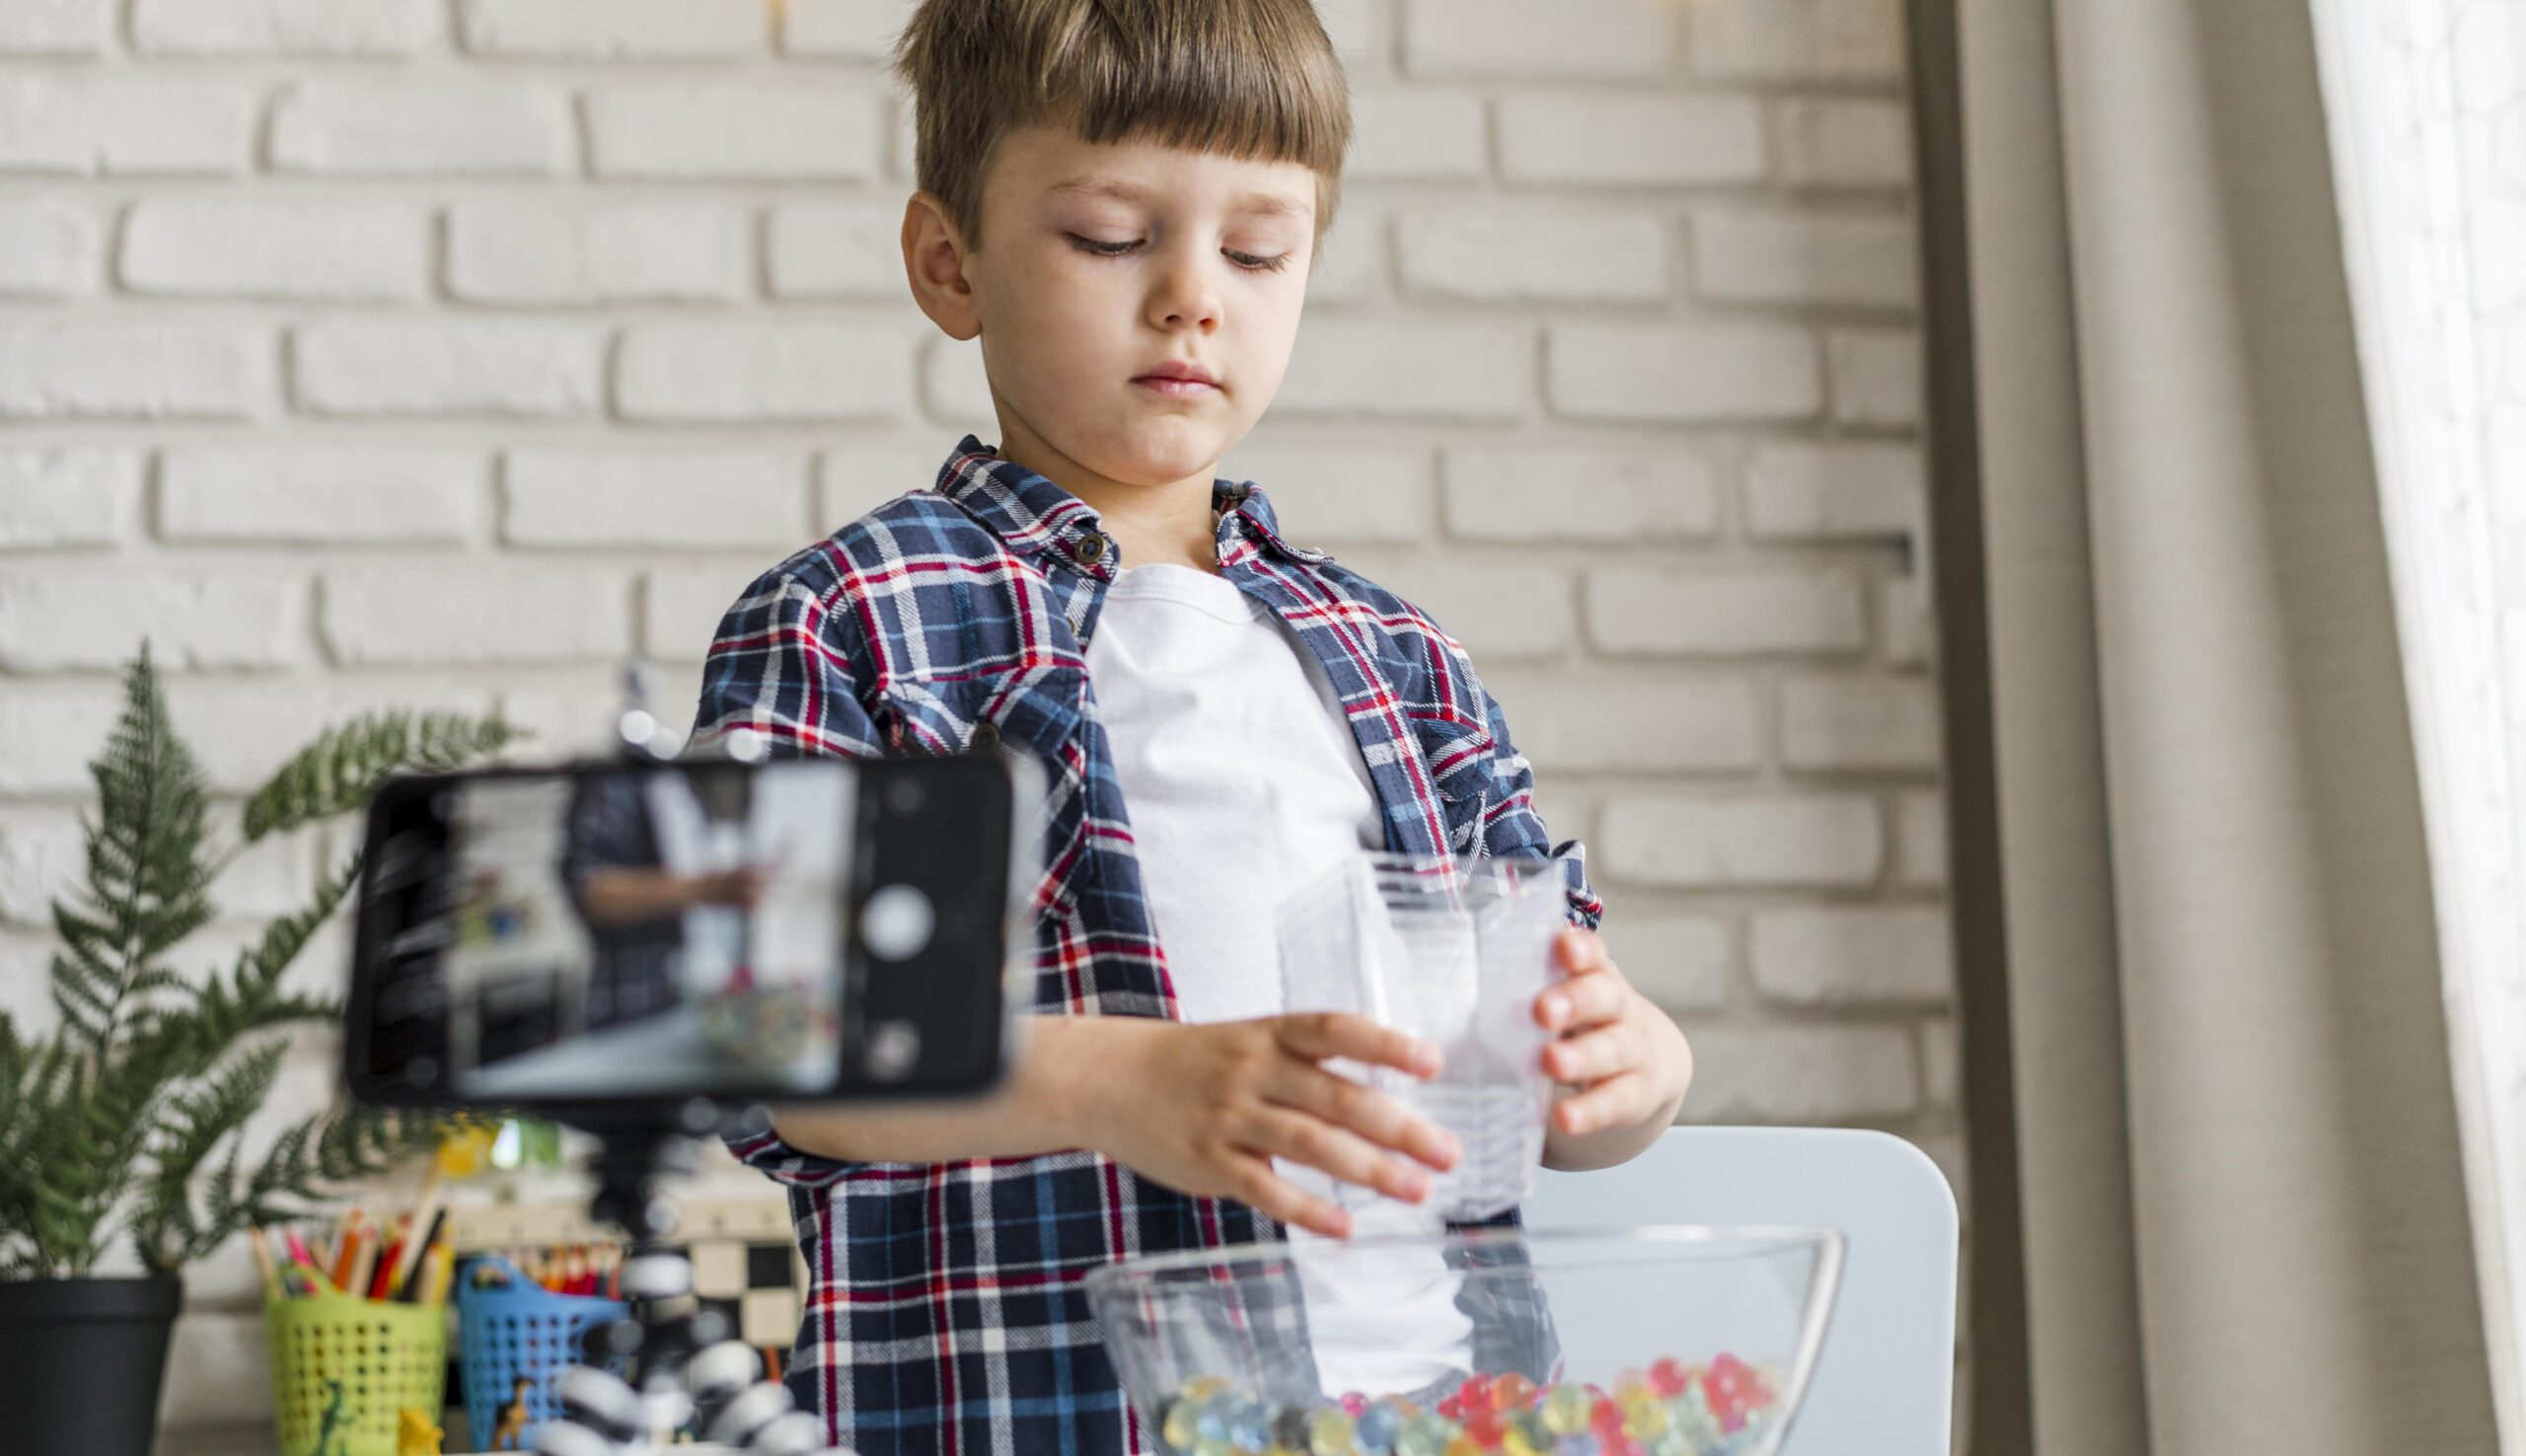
x,y
1198,313
1186,296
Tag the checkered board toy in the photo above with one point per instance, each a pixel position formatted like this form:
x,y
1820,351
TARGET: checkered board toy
x,y
745,1261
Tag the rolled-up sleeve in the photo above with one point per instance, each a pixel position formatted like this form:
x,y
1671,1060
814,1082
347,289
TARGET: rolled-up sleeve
x,y
1512,827
756,1145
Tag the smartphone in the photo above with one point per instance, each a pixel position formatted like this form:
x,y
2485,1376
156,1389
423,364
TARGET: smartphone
x,y
609,937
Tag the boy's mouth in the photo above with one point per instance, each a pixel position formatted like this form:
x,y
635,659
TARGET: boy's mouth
x,y
1178,381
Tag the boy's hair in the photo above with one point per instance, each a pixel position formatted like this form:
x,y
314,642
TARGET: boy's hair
x,y
1244,77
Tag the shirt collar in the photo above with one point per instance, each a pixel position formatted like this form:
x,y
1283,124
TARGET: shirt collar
x,y
1031,514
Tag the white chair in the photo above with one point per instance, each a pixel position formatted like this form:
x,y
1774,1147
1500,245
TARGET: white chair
x,y
1883,1380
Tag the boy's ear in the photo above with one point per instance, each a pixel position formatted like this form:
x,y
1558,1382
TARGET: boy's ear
x,y
935,264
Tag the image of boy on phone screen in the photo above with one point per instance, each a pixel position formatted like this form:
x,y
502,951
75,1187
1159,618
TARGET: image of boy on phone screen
x,y
1122,200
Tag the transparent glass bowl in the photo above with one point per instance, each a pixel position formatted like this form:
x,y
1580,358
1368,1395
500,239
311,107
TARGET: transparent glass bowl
x,y
1663,1340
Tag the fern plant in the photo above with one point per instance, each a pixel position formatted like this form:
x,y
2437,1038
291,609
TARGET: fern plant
x,y
127,1117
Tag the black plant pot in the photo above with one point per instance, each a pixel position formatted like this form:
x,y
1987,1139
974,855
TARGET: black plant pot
x,y
81,1361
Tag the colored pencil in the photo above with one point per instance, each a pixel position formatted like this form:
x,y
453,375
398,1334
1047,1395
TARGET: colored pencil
x,y
346,1248
329,1240
363,1263
439,1267
300,1254
425,1234
427,1214
381,1284
264,1259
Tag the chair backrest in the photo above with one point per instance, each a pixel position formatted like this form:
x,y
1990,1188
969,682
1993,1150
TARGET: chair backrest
x,y
1886,1376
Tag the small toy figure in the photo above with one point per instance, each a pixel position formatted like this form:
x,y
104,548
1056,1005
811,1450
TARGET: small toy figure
x,y
417,1434
510,1433
334,1423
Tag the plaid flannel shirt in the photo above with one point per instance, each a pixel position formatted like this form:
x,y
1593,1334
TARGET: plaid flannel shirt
x,y
944,1312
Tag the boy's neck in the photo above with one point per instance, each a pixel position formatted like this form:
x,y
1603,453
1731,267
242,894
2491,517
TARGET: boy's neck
x,y
1169,524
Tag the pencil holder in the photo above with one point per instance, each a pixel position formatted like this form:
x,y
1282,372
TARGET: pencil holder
x,y
344,1368
521,1330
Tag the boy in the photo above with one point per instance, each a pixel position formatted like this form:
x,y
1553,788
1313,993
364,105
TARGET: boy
x,y
1122,200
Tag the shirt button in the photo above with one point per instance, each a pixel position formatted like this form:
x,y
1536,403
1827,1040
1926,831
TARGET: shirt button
x,y
1089,548
985,737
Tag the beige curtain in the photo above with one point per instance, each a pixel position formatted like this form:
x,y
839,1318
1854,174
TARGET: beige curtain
x,y
2219,1203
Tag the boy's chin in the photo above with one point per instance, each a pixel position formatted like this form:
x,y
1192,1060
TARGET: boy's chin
x,y
1162,456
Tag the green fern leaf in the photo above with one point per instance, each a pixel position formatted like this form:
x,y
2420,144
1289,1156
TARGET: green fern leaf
x,y
338,773
148,881
128,1119
191,1125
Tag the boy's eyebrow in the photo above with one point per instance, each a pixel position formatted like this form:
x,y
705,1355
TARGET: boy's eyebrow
x,y
1260,203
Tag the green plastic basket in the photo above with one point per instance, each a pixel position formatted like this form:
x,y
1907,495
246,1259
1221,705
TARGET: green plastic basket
x,y
360,1361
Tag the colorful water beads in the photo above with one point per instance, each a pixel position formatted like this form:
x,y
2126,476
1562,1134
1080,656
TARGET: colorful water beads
x,y
1671,1408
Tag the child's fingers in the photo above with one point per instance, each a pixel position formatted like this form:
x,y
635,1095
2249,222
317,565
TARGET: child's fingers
x,y
1280,1199
1320,1144
1318,1034
1365,1111
1611,1103
1591,1058
1583,1001
1581,950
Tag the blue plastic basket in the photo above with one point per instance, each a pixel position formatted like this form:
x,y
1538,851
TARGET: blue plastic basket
x,y
520,1328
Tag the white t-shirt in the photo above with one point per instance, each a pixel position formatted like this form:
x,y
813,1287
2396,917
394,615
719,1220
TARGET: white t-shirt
x,y
1242,782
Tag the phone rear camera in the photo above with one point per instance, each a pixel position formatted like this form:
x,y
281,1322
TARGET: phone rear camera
x,y
905,796
896,922
894,1049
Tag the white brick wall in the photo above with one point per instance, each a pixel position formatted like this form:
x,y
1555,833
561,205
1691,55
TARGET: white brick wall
x,y
387,366
1497,250
438,352
785,131
248,28
53,27
70,496
411,497
327,251
79,122
69,366
1697,372
611,29
543,252
49,247
1520,41
1567,137
471,126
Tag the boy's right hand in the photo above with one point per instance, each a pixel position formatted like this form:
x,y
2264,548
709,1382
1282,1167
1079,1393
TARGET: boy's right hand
x,y
1205,1108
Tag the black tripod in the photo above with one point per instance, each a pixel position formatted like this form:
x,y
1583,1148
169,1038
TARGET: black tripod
x,y
685,1364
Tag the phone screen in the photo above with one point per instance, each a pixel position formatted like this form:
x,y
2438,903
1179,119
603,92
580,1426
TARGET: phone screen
x,y
629,933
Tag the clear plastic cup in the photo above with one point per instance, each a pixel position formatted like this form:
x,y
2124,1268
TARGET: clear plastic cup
x,y
1454,950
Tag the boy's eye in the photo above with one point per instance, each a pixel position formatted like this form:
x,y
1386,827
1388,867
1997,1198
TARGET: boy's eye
x,y
1250,261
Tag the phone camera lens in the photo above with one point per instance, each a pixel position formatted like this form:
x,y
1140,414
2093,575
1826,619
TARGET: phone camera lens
x,y
905,796
894,1049
896,922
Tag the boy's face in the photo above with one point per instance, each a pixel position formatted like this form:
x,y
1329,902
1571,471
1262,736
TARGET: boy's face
x,y
1103,265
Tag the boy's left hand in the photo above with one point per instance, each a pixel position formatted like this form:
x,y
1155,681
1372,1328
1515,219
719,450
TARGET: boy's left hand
x,y
1628,1060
